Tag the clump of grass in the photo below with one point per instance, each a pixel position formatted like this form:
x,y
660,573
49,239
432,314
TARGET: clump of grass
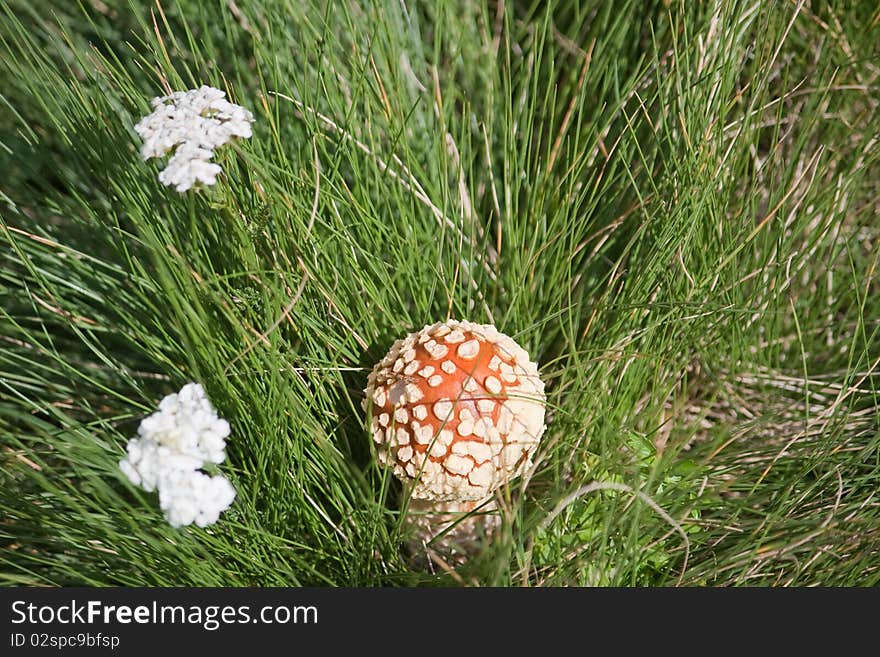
x,y
671,205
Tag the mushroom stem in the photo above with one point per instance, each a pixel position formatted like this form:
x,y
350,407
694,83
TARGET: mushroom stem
x,y
454,530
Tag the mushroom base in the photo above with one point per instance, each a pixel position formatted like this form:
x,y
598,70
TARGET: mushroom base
x,y
451,531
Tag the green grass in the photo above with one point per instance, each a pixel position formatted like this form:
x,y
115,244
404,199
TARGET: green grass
x,y
673,206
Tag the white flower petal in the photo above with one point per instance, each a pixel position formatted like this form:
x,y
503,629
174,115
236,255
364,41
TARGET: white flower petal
x,y
193,122
172,445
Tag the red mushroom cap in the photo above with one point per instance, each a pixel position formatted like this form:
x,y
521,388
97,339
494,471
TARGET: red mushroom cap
x,y
457,409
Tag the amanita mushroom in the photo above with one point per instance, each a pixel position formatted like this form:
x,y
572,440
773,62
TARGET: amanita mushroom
x,y
457,410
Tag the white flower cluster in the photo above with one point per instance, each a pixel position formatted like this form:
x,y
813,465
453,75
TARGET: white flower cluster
x,y
172,444
195,122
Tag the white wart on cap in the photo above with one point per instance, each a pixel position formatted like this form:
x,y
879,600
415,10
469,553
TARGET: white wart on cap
x,y
457,409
